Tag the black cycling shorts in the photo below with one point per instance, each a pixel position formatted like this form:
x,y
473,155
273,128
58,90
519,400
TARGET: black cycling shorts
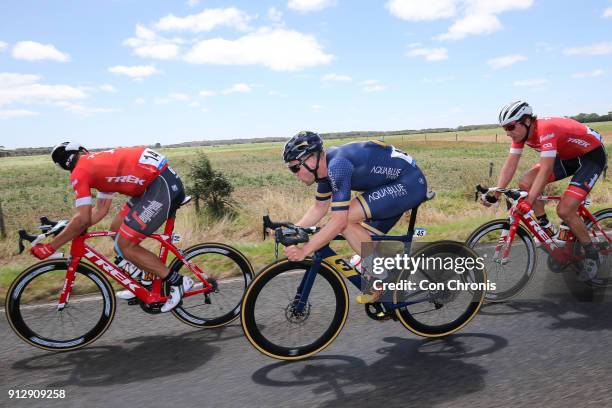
x,y
145,214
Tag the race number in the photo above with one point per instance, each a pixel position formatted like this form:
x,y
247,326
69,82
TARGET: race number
x,y
150,157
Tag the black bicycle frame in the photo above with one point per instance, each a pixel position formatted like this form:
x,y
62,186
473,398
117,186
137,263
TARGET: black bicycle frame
x,y
331,257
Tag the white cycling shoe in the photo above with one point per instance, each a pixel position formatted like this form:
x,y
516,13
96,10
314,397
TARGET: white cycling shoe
x,y
176,294
125,295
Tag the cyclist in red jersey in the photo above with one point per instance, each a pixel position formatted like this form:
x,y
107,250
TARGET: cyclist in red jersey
x,y
156,192
567,148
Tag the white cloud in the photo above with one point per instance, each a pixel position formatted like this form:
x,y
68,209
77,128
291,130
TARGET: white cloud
x,y
276,93
238,88
135,72
275,15
309,5
430,54
206,93
207,20
601,48
148,44
204,110
608,12
181,97
194,104
592,74
108,88
317,107
531,82
497,6
471,16
82,110
336,77
470,25
3,46
192,3
20,88
506,61
140,101
34,51
16,113
422,10
372,85
277,49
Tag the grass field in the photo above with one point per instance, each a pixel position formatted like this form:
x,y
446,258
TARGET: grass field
x,y
31,187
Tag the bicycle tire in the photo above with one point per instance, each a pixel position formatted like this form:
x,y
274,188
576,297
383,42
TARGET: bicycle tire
x,y
232,273
603,280
413,317
286,273
31,305
496,272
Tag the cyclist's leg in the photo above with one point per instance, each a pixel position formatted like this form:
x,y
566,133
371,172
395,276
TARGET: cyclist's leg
x,y
585,174
529,176
145,215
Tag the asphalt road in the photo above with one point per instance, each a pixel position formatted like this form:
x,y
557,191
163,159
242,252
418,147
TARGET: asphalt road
x,y
549,347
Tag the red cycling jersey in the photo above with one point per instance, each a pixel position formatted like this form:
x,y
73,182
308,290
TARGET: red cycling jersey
x,y
560,137
126,170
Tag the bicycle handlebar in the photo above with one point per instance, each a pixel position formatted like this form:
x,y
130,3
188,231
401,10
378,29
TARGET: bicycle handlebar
x,y
514,194
286,233
47,227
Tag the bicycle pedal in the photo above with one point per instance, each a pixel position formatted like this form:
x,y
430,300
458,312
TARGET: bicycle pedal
x,y
133,301
206,299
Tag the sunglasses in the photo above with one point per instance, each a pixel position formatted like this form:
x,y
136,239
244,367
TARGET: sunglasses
x,y
510,127
296,167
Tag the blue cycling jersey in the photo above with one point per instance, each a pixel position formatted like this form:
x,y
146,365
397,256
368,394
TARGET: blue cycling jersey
x,y
364,166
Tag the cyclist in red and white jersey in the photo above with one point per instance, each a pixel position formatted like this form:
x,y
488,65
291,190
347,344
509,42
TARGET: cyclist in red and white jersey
x,y
156,192
567,148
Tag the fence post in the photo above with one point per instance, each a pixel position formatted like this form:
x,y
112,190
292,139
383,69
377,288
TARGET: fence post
x,y
425,136
490,169
496,138
456,137
2,228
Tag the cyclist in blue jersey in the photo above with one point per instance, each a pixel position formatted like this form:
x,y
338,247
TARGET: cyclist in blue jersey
x,y
387,180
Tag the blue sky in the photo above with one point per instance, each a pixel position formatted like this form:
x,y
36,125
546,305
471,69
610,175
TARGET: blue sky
x,y
127,72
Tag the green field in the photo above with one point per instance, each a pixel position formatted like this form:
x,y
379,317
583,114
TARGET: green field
x,y
32,186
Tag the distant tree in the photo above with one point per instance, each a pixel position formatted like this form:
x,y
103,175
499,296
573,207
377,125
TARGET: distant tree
x,y
210,186
157,145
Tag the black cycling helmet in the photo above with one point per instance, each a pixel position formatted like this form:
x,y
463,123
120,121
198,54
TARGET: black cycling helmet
x,y
65,154
301,145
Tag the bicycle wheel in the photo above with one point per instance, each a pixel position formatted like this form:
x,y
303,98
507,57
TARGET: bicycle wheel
x,y
511,275
32,306
451,301
604,219
270,321
226,269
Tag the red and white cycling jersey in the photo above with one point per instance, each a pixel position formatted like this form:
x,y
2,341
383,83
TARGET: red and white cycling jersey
x,y
126,171
560,137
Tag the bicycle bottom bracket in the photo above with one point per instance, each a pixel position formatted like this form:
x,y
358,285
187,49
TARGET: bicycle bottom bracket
x,y
297,317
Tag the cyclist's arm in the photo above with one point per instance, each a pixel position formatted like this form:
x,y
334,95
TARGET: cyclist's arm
x,y
507,171
337,223
546,168
77,225
314,214
103,204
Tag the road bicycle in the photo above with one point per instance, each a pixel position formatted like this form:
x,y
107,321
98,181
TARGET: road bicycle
x,y
63,304
510,251
293,310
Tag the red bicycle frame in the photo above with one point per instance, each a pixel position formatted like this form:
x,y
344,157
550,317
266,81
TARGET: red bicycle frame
x,y
79,249
560,254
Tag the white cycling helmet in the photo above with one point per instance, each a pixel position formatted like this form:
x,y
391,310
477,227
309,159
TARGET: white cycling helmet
x,y
513,112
